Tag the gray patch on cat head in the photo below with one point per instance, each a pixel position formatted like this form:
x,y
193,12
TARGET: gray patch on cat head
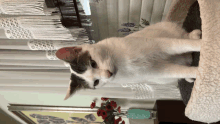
x,y
80,63
77,81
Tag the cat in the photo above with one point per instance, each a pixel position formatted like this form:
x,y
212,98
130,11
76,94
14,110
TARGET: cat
x,y
157,54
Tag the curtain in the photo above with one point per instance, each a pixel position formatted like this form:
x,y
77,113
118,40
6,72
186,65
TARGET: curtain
x,y
30,34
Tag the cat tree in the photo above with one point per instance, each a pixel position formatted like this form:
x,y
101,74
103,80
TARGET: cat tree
x,y
204,103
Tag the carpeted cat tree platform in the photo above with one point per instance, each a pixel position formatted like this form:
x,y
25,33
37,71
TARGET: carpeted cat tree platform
x,y
204,102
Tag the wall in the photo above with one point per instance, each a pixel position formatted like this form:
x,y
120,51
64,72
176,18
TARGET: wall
x,y
41,99
57,99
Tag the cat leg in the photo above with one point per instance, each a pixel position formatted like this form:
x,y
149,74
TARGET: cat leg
x,y
171,70
195,34
179,46
190,80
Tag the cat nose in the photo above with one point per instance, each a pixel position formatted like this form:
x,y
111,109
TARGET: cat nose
x,y
109,73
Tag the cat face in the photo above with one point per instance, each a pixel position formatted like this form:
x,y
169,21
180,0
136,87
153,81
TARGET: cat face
x,y
91,67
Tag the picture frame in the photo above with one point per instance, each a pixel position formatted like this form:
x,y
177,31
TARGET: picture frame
x,y
43,114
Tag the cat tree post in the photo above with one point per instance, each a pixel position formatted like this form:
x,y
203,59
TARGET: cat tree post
x,y
204,103
178,11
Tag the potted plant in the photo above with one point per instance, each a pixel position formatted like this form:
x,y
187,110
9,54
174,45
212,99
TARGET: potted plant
x,y
108,111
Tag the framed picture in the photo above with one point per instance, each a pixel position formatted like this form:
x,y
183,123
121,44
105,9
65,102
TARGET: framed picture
x,y
40,114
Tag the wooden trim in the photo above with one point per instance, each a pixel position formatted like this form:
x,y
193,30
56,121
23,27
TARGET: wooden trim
x,y
77,13
59,8
73,109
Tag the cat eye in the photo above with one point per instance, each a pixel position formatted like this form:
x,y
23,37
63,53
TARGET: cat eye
x,y
96,83
93,64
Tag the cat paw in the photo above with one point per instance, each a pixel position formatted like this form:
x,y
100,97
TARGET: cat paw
x,y
195,34
190,80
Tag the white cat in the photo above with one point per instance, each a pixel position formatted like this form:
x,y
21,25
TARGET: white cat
x,y
156,54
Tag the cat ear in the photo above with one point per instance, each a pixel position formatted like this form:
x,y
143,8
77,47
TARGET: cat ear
x,y
73,87
68,53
